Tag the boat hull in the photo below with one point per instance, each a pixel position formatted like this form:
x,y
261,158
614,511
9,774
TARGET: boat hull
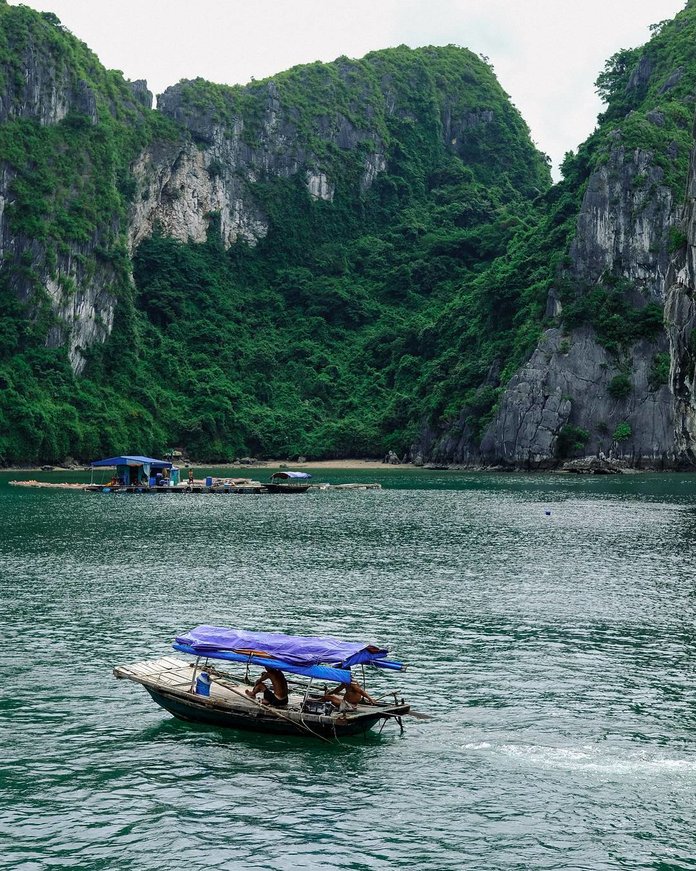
x,y
269,723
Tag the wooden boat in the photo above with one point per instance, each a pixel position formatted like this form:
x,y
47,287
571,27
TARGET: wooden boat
x,y
289,482
200,692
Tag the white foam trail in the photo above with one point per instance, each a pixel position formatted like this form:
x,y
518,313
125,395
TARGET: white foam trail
x,y
573,759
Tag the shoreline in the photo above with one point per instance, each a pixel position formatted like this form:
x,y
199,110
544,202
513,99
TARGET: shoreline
x,y
348,465
308,464
339,465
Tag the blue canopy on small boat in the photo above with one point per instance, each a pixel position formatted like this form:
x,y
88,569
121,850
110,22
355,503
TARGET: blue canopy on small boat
x,y
133,461
296,653
321,672
291,475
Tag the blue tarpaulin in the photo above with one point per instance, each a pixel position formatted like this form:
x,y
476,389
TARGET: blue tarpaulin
x,y
320,672
293,650
133,461
293,475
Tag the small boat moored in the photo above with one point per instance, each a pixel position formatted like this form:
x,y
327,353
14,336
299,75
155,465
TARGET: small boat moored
x,y
200,692
289,482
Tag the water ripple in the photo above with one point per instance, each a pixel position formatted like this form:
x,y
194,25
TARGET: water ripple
x,y
554,652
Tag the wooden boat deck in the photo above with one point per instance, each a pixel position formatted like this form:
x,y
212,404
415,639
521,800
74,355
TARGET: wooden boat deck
x,y
169,678
170,673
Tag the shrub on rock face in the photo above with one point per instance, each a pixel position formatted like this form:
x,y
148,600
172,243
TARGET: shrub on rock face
x,y
677,239
659,371
620,386
571,440
622,432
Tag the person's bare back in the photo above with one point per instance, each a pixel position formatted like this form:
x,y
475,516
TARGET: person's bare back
x,y
278,696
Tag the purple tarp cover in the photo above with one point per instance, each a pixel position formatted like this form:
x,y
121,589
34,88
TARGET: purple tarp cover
x,y
298,649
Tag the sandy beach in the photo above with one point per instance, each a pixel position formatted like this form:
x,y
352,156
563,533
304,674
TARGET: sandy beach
x,y
261,464
310,464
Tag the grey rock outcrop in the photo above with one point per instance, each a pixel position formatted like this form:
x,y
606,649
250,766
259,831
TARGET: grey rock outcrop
x,y
40,85
181,185
623,225
680,317
141,93
566,383
78,286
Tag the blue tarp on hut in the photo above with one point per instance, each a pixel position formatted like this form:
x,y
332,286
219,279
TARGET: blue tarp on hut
x,y
133,461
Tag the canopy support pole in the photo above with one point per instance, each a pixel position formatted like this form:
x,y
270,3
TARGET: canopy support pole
x,y
309,687
193,676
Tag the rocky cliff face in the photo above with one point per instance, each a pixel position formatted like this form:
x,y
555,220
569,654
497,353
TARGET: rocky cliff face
x,y
680,317
74,279
214,170
80,297
566,388
41,85
560,402
624,222
622,231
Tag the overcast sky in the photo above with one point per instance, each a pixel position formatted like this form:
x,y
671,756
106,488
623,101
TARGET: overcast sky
x,y
546,53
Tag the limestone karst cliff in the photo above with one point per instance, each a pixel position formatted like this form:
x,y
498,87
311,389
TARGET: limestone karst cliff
x,y
622,237
591,385
246,268
345,259
680,317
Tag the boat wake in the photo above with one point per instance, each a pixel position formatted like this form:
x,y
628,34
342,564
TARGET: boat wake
x,y
590,759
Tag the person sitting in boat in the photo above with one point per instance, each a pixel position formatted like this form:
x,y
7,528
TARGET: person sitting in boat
x,y
353,694
276,697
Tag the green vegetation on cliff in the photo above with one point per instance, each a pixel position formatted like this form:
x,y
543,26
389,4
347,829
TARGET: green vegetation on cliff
x,y
354,322
319,339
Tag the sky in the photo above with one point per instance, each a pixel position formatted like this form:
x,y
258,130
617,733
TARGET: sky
x,y
546,53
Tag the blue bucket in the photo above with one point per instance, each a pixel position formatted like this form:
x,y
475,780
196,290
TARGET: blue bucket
x,y
203,684
208,482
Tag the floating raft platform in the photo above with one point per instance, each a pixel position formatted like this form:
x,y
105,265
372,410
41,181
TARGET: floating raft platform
x,y
218,487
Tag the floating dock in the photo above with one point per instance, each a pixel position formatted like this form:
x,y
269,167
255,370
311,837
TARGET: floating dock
x,y
218,486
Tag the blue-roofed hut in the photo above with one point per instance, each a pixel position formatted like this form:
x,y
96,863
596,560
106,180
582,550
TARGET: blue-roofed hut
x,y
136,471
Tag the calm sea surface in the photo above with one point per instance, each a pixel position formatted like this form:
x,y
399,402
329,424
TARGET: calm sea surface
x,y
554,651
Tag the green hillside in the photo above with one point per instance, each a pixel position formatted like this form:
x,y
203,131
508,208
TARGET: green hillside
x,y
320,339
353,322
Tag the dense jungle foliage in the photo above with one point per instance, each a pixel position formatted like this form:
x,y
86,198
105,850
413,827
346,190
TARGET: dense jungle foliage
x,y
353,322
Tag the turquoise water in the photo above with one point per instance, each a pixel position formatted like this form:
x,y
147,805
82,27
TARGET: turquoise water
x,y
555,652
